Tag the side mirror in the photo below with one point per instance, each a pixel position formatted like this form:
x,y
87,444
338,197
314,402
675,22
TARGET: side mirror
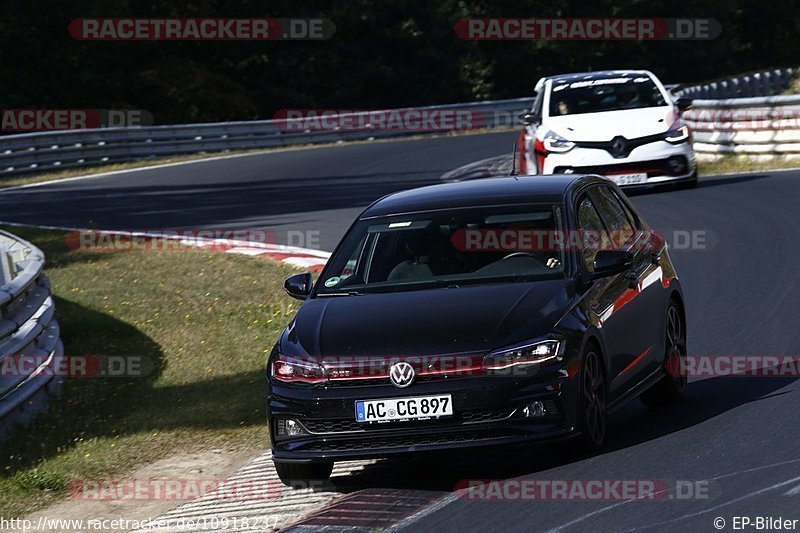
x,y
611,262
529,117
299,286
683,103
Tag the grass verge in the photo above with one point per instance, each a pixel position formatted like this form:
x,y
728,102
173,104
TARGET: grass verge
x,y
206,320
732,164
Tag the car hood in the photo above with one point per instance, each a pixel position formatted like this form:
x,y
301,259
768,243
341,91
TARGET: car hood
x,y
472,319
629,123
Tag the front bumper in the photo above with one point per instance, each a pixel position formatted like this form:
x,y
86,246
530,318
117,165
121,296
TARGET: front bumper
x,y
660,161
486,411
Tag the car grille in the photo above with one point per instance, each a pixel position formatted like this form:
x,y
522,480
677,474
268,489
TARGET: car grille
x,y
470,416
366,370
402,442
552,410
658,167
385,381
620,146
474,416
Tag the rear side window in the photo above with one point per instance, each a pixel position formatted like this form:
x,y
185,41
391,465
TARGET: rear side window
x,y
628,212
617,218
592,230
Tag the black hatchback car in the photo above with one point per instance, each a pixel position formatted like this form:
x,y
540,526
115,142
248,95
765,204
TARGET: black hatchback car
x,y
496,311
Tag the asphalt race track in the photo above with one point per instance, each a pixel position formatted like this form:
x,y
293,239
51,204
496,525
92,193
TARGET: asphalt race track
x,y
737,436
317,190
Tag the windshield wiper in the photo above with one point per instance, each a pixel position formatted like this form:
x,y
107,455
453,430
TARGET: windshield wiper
x,y
344,293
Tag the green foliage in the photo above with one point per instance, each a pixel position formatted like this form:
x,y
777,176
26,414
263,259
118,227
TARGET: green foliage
x,y
39,479
384,53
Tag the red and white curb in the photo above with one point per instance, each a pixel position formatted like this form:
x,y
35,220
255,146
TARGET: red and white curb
x,y
305,258
266,505
308,259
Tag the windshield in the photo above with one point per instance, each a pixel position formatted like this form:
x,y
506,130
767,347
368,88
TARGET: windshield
x,y
452,248
604,94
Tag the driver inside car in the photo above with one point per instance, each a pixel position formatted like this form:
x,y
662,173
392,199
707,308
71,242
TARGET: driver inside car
x,y
420,245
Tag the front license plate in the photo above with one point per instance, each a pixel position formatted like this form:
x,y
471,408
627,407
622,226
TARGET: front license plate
x,y
415,408
629,179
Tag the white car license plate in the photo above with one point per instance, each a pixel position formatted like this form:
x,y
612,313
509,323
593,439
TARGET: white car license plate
x,y
628,179
415,408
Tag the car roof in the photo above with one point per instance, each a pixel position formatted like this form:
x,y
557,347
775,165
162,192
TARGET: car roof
x,y
499,190
597,75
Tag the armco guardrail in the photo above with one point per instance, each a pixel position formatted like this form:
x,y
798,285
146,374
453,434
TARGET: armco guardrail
x,y
763,83
27,328
34,152
755,127
47,151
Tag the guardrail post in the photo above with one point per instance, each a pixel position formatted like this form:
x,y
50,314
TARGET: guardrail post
x,y
7,270
745,87
776,81
761,85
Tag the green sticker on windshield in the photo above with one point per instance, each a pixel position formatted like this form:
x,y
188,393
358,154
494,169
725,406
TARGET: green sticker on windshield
x,y
330,282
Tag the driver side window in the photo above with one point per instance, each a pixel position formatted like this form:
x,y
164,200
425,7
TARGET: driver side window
x,y
593,234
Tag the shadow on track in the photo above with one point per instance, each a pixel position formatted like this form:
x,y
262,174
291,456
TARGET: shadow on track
x,y
632,425
220,204
703,183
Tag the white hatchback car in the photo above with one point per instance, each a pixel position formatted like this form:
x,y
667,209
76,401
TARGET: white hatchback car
x,y
621,124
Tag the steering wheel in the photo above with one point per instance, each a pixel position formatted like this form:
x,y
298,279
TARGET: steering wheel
x,y
520,254
526,254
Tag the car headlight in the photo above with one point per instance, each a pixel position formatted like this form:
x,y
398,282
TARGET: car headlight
x,y
554,142
529,354
678,133
297,370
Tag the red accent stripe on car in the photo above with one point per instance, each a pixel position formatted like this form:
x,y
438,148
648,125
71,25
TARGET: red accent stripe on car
x,y
636,360
541,153
624,298
522,160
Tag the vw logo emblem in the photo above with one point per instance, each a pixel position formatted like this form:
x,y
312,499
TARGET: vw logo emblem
x,y
618,147
401,374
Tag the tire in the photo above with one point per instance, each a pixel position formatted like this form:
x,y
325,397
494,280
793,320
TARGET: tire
x,y
670,388
592,403
292,473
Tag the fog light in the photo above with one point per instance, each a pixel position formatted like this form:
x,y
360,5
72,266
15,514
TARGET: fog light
x,y
288,427
677,165
534,410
